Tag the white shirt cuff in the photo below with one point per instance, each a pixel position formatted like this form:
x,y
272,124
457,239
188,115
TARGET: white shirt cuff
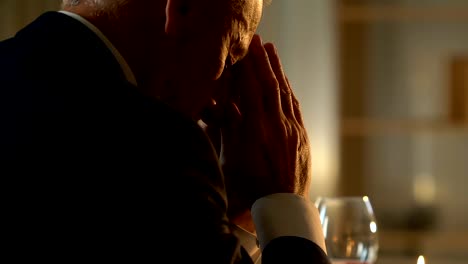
x,y
286,214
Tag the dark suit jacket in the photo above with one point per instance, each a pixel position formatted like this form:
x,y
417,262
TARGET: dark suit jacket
x,y
93,170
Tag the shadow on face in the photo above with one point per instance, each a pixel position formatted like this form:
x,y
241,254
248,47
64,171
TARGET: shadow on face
x,y
203,37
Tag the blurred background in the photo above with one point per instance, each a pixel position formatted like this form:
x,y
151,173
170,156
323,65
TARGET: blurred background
x,y
384,90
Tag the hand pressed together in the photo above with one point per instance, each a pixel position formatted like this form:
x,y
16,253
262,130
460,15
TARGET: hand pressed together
x,y
264,145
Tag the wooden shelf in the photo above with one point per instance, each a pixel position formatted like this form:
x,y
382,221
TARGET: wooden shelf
x,y
459,88
395,13
362,127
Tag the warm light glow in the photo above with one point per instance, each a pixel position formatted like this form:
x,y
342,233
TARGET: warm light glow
x,y
424,189
350,245
421,260
365,199
373,227
325,164
325,227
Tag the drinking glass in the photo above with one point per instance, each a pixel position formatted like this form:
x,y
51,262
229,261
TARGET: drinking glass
x,y
350,229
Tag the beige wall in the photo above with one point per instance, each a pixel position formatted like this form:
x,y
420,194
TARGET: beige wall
x,y
15,14
304,32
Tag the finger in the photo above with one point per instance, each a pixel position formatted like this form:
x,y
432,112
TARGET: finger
x,y
285,89
250,93
296,105
270,85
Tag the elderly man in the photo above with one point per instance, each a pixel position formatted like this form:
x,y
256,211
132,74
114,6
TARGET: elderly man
x,y
103,157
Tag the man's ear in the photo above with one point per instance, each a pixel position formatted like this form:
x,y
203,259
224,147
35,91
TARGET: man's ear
x,y
178,13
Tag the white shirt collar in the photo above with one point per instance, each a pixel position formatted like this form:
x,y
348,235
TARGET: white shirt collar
x,y
123,64
249,242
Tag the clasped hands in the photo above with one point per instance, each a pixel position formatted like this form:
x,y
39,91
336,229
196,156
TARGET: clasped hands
x,y
258,126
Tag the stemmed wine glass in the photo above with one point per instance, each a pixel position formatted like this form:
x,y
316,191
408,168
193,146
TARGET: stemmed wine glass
x,y
350,229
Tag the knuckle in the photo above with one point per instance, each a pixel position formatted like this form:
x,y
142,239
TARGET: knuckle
x,y
296,103
273,82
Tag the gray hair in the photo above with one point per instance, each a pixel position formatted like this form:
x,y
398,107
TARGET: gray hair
x,y
109,7
77,2
95,3
70,2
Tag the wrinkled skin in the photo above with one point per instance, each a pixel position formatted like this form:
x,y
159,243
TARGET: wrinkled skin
x,y
263,144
